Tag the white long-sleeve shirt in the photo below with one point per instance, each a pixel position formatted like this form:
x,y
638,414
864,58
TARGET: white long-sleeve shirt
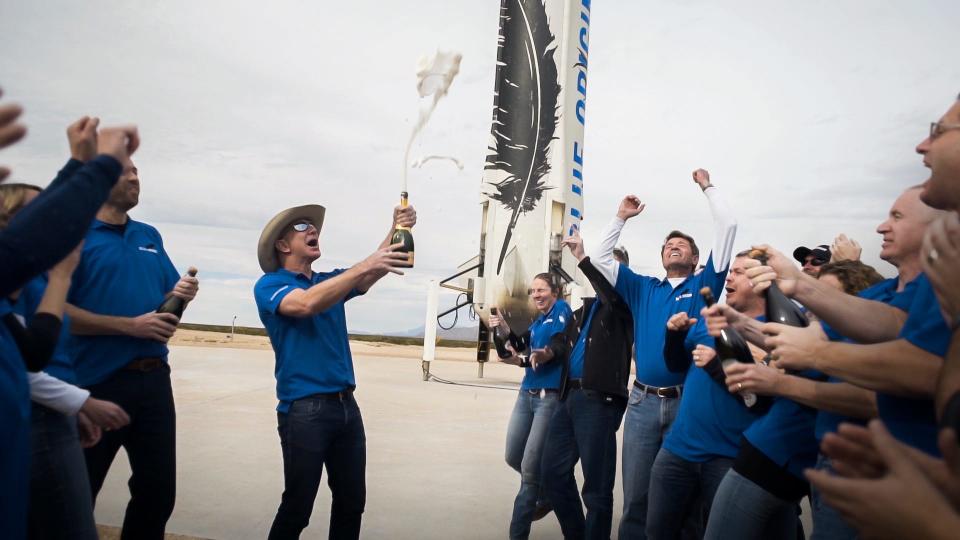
x,y
725,226
60,396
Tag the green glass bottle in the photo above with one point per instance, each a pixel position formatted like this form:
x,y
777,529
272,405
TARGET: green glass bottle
x,y
404,235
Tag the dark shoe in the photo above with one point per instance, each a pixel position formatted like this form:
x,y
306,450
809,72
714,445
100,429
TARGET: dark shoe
x,y
543,508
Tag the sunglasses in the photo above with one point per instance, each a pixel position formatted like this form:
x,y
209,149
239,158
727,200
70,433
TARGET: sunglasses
x,y
302,226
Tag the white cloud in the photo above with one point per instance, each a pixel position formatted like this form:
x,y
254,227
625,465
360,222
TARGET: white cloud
x,y
806,114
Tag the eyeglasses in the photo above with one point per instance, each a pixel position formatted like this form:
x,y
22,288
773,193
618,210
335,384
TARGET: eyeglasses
x,y
302,226
937,129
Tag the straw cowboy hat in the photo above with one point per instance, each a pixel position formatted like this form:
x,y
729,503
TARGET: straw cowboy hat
x,y
266,247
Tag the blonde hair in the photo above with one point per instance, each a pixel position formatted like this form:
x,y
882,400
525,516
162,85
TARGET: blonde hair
x,y
13,197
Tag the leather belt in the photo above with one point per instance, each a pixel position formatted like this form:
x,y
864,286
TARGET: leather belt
x,y
333,396
144,364
668,392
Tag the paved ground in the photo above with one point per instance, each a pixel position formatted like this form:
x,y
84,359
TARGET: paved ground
x,y
435,464
435,451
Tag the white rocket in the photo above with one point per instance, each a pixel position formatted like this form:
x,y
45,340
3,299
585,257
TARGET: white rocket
x,y
531,194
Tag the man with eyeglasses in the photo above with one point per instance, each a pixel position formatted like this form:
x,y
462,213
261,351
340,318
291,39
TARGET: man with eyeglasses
x,y
811,259
941,252
318,420
873,499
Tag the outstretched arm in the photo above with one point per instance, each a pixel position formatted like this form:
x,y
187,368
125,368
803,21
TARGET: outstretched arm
x,y
602,258
724,222
843,312
402,216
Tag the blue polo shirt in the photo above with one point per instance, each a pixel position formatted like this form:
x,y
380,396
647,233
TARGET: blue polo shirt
x,y
652,301
785,433
312,353
541,330
578,354
125,272
60,365
910,420
886,292
15,426
711,420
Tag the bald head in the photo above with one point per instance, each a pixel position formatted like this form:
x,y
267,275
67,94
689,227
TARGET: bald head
x,y
904,227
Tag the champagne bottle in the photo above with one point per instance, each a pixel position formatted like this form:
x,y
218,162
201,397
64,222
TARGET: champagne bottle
x,y
780,309
501,337
175,304
404,235
732,348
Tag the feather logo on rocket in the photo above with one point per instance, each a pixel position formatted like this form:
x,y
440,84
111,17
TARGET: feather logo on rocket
x,y
525,109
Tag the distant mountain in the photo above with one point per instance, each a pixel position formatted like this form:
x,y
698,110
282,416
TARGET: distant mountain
x,y
459,333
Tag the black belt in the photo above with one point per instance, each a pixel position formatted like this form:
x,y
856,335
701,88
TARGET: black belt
x,y
541,391
668,392
333,396
144,364
577,384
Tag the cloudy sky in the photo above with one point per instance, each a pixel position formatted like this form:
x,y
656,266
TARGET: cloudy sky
x,y
805,113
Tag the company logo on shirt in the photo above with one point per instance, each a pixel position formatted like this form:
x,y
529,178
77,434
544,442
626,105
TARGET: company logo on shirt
x,y
684,295
149,247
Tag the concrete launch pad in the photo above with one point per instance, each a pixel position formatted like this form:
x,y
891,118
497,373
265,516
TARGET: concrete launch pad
x,y
435,466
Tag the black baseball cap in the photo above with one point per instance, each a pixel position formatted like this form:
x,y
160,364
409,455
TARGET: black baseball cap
x,y
820,253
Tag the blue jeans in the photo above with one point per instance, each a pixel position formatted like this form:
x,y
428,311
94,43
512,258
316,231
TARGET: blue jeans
x,y
681,492
60,503
526,435
646,422
743,510
583,428
827,522
318,431
150,442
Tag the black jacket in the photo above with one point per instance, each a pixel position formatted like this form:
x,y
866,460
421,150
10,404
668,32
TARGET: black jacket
x,y
557,345
606,363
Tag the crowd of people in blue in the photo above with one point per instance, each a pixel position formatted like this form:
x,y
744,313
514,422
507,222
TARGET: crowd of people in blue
x,y
861,406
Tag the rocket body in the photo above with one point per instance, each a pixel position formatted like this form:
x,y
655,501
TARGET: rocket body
x,y
533,183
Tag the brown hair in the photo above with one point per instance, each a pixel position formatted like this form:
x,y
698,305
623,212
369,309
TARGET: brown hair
x,y
854,276
678,234
553,281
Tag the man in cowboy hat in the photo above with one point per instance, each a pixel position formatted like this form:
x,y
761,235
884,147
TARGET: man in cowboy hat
x,y
318,419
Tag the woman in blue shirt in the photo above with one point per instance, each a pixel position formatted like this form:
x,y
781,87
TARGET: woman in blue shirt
x,y
539,392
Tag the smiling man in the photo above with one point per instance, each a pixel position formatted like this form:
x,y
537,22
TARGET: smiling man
x,y
318,419
655,396
705,437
